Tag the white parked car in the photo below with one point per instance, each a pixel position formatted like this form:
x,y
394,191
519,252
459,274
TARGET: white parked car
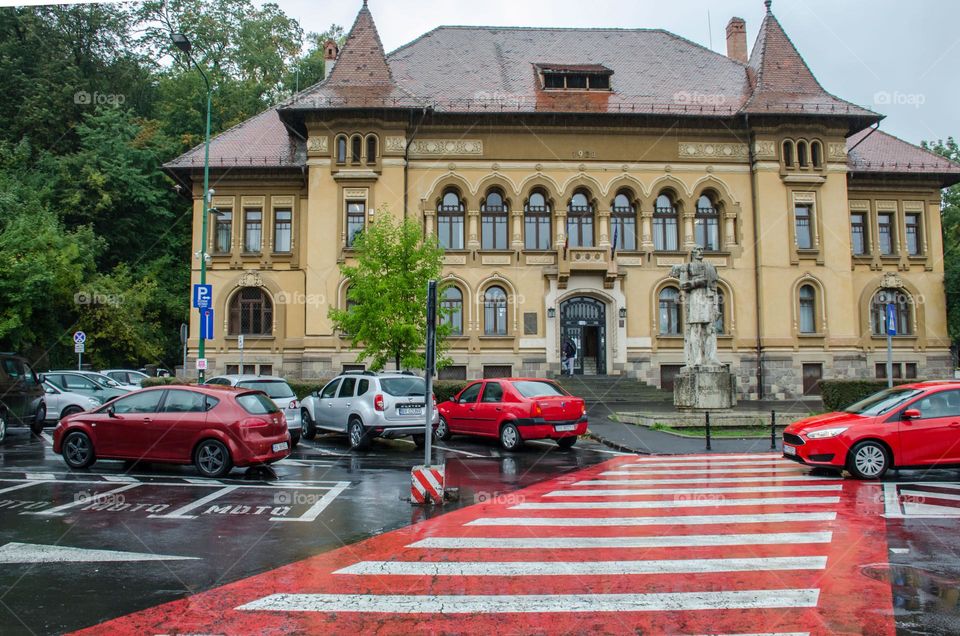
x,y
276,389
62,403
126,377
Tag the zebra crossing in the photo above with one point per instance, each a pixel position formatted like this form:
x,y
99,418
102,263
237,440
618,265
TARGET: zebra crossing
x,y
736,544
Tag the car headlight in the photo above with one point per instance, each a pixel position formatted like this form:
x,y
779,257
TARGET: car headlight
x,y
825,433
94,401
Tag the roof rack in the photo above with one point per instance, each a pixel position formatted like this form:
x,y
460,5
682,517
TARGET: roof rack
x,y
370,373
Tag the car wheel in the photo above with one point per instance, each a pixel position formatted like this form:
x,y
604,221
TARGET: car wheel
x,y
294,439
212,458
78,450
38,419
3,427
442,432
868,460
419,440
70,410
359,439
308,430
510,437
566,442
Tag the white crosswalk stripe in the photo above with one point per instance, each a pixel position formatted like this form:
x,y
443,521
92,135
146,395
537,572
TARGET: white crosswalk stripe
x,y
667,520
701,501
645,470
539,543
702,480
626,492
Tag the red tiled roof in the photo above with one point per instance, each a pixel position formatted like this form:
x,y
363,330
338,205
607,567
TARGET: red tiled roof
x,y
874,151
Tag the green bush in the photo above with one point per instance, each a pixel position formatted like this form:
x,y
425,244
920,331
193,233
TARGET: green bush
x,y
148,382
446,389
839,394
303,388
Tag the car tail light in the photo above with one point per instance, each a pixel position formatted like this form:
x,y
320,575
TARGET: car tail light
x,y
254,422
293,404
378,402
434,398
583,408
537,410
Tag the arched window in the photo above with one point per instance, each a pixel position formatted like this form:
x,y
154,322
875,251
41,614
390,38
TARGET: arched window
x,y
495,312
670,315
902,312
788,153
665,237
356,149
341,149
371,150
580,220
251,313
537,222
450,221
720,326
451,305
816,150
808,309
706,224
624,219
493,222
802,157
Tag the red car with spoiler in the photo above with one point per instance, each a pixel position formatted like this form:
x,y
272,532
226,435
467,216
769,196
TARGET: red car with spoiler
x,y
514,410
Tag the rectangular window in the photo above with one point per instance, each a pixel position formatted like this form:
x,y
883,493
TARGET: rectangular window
x,y
803,219
356,220
252,230
266,369
552,80
910,371
282,231
536,230
625,233
913,234
707,233
885,233
665,234
881,368
223,231
579,231
858,234
233,369
497,371
249,369
453,372
450,230
494,231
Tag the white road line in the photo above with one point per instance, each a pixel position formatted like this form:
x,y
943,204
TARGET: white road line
x,y
200,481
703,502
671,520
535,603
40,476
314,511
462,452
707,471
21,486
688,480
582,568
47,438
92,498
121,478
673,541
700,458
927,494
197,483
181,513
627,492
33,554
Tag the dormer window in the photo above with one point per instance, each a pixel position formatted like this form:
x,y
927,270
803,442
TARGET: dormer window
x,y
574,77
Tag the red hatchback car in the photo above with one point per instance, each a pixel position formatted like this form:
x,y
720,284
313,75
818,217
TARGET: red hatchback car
x,y
514,410
213,428
909,426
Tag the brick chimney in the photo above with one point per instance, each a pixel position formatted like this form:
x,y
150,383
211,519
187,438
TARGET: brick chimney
x,y
737,40
331,51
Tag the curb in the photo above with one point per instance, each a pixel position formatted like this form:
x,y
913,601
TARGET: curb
x,y
614,445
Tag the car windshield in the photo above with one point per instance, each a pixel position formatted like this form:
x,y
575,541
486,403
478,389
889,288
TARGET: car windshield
x,y
882,402
533,389
257,404
103,380
274,388
403,387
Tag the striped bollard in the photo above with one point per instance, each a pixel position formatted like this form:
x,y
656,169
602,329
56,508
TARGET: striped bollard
x,y
426,484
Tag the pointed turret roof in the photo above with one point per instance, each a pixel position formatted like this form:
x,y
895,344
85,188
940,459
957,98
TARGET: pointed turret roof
x,y
782,83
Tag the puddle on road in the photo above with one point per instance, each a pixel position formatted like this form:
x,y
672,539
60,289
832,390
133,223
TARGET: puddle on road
x,y
924,602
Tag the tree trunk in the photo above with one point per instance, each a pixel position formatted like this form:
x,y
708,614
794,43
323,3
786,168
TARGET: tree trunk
x,y
398,361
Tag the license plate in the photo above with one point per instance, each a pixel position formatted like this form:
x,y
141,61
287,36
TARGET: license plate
x,y
560,428
789,450
410,411
280,447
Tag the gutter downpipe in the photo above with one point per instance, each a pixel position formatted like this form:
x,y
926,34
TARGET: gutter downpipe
x,y
406,162
756,255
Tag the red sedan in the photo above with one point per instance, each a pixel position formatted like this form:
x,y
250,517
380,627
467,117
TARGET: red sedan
x,y
213,428
514,410
909,426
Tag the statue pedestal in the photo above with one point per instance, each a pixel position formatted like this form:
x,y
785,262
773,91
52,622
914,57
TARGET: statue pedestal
x,y
705,388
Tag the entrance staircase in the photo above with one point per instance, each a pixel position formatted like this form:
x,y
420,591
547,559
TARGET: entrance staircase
x,y
607,389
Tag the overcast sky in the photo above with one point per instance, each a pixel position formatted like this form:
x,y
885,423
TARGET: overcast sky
x,y
900,58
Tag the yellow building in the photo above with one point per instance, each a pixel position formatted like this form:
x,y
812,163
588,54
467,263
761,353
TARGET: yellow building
x,y
565,171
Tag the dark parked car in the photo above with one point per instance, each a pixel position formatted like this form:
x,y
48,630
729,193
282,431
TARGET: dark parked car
x,y
21,395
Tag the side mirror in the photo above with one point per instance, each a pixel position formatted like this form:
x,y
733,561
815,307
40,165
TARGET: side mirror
x,y
911,414
111,412
41,378
454,399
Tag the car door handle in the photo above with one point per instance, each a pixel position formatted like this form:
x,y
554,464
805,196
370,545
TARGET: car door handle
x,y
147,420
954,424
348,404
329,406
499,408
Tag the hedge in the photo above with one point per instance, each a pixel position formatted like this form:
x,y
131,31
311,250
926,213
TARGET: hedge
x,y
148,382
839,394
443,389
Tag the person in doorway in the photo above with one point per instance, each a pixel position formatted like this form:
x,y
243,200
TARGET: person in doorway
x,y
569,352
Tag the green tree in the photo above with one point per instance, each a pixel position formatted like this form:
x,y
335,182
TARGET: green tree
x,y
387,296
950,221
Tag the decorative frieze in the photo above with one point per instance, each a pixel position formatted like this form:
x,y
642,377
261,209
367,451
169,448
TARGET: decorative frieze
x,y
837,152
765,149
446,147
318,144
496,259
696,150
395,144
669,261
355,193
891,280
455,259
250,279
631,261
541,259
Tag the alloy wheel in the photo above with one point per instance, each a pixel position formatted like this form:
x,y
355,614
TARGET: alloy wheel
x,y
509,437
211,458
870,460
3,428
78,449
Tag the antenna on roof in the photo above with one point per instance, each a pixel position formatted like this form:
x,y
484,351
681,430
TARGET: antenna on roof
x,y
710,29
766,3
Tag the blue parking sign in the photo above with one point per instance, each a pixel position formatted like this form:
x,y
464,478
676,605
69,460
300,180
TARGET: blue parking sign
x,y
206,324
202,296
891,319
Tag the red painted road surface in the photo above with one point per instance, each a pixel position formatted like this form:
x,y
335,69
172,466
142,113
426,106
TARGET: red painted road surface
x,y
720,544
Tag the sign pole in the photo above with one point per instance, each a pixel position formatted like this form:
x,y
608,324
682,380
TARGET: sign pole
x,y
430,366
240,346
79,361
891,331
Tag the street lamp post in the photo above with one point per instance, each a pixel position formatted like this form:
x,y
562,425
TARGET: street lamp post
x,y
183,43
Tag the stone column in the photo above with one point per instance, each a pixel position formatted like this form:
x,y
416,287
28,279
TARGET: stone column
x,y
473,230
729,237
561,230
646,229
517,222
605,236
686,230
429,217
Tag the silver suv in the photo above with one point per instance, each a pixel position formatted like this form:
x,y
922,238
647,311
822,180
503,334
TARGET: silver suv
x,y
277,389
365,405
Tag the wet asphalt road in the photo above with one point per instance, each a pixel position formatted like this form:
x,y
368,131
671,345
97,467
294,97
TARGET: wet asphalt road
x,y
217,531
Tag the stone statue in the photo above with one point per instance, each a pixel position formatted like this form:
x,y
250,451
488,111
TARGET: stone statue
x,y
698,281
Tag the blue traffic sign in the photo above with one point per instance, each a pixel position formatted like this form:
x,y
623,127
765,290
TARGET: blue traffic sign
x,y
206,324
891,319
79,337
202,296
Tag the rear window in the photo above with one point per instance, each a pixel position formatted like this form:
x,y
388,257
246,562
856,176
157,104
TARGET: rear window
x,y
273,388
257,404
533,389
403,387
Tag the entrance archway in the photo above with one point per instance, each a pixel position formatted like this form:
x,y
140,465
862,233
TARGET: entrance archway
x,y
583,321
